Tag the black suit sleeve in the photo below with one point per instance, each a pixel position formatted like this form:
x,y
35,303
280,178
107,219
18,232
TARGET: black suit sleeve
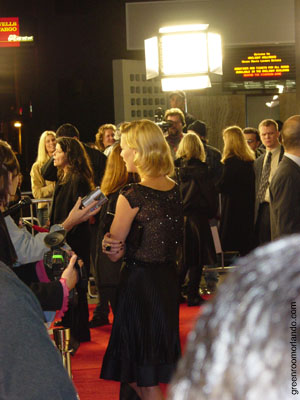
x,y
285,200
98,161
49,171
50,294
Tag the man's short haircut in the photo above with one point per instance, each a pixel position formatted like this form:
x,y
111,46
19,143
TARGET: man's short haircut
x,y
280,124
268,122
253,131
67,130
178,93
199,127
175,111
291,132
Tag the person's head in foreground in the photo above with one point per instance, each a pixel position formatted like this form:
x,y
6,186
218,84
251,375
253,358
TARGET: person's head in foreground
x,y
244,344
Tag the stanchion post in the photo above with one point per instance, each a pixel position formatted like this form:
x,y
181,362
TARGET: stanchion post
x,y
62,340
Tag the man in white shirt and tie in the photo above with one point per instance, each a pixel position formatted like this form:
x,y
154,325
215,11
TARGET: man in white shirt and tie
x,y
265,167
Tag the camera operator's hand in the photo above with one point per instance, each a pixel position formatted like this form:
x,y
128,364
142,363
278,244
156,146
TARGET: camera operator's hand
x,y
70,273
78,215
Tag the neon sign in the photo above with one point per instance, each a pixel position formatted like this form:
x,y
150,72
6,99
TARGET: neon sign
x,y
15,38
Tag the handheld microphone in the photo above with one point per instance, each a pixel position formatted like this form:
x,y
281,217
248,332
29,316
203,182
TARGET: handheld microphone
x,y
22,203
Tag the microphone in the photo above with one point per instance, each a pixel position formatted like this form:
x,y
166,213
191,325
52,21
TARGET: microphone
x,y
22,203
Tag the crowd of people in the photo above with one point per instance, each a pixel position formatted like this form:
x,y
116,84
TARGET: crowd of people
x,y
147,245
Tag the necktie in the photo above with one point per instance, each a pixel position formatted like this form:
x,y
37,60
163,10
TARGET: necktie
x,y
264,181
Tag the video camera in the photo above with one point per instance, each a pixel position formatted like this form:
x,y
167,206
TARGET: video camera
x,y
57,259
159,120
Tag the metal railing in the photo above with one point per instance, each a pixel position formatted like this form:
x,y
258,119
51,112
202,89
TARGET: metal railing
x,y
31,218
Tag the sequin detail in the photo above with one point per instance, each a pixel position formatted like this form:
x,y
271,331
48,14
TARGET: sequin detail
x,y
160,214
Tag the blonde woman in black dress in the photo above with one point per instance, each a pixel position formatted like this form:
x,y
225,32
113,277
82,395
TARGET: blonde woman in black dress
x,y
237,187
147,229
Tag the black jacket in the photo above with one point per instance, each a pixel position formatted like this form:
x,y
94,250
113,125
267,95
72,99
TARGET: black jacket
x,y
213,160
285,199
197,191
238,193
200,203
65,196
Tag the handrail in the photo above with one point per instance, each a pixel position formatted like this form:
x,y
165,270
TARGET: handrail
x,y
33,203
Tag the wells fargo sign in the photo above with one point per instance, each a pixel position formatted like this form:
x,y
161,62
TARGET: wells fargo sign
x,y
9,27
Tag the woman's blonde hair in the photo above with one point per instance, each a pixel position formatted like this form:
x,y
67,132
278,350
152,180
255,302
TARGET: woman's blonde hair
x,y
191,146
100,135
235,145
42,155
115,175
153,156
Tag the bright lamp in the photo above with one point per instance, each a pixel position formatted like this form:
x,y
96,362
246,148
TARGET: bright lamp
x,y
184,57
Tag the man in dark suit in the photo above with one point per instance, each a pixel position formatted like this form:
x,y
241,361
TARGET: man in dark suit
x,y
253,139
265,167
97,159
285,185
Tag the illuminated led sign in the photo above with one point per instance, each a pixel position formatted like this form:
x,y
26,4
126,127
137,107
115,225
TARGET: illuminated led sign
x,y
262,65
258,63
9,27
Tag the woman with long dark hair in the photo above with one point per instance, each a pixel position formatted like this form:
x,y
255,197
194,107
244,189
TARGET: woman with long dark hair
x,y
75,178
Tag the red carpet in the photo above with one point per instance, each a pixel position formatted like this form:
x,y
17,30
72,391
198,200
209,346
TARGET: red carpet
x,y
86,363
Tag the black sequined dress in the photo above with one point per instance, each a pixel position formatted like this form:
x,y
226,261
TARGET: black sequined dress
x,y
144,344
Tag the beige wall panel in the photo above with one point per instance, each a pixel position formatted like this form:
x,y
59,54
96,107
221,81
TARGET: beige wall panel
x,y
288,105
218,112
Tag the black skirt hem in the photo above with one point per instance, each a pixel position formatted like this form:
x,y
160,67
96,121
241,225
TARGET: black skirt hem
x,y
142,375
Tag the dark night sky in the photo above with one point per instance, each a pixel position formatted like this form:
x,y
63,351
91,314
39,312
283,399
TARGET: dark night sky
x,y
67,72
